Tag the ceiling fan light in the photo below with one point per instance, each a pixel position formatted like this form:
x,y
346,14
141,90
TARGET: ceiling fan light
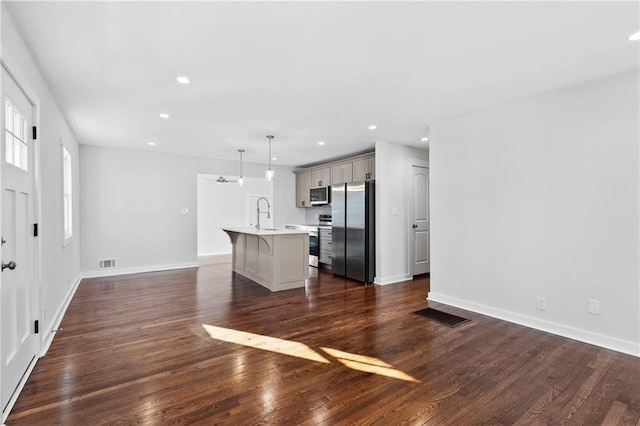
x,y
241,179
269,173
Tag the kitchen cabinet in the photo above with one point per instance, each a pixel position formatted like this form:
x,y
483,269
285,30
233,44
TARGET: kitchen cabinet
x,y
303,185
354,169
372,167
277,259
342,173
326,251
364,169
321,177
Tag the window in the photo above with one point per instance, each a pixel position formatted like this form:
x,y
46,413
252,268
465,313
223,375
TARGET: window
x,y
15,132
67,199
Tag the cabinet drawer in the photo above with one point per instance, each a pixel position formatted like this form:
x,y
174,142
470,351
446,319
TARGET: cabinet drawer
x,y
325,257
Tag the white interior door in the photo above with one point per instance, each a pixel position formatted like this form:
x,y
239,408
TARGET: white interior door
x,y
18,342
419,219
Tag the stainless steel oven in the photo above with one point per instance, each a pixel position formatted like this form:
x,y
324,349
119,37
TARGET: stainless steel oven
x,y
314,247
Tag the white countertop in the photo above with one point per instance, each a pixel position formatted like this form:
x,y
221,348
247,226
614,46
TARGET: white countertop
x,y
254,231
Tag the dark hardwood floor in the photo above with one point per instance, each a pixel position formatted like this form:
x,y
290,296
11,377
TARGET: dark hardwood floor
x,y
205,346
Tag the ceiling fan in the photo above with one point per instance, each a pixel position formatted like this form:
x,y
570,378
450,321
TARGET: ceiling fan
x,y
222,179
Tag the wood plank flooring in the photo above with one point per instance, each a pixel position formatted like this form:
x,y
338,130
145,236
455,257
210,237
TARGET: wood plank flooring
x,y
160,348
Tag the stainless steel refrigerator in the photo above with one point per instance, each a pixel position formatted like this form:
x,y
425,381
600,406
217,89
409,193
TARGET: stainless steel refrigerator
x,y
353,234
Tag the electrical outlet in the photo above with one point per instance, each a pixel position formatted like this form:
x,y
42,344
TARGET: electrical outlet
x,y
146,258
593,306
541,303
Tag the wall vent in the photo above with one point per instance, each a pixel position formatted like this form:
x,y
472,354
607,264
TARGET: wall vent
x,y
107,263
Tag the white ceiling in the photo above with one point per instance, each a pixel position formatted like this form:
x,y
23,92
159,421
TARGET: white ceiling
x,y
306,72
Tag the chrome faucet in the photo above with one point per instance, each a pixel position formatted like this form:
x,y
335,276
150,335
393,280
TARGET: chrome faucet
x,y
258,210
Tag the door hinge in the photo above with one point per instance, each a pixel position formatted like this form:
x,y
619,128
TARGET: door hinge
x,y
36,327
35,132
35,229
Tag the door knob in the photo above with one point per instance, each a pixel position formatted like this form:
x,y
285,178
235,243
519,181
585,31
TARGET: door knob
x,y
415,226
11,265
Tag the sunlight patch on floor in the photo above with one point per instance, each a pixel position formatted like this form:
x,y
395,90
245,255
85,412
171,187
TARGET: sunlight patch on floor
x,y
375,369
368,364
355,357
271,344
358,362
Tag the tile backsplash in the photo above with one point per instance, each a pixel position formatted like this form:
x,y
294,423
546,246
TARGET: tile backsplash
x,y
312,213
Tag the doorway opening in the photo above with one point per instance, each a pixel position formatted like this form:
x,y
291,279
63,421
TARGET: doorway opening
x,y
227,205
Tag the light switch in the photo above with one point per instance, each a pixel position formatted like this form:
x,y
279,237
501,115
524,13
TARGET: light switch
x,y
395,211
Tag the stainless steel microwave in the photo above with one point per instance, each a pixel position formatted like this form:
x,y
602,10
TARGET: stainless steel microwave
x,y
320,195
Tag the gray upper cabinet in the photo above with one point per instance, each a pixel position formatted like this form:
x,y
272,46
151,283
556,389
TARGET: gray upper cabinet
x,y
360,169
364,169
321,177
342,173
303,184
355,169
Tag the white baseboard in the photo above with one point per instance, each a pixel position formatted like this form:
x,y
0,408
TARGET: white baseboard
x,y
137,270
392,279
581,335
47,338
214,259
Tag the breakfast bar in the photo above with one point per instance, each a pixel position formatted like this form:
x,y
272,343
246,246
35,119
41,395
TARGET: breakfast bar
x,y
277,259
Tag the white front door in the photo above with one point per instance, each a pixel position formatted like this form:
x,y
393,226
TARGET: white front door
x,y
18,342
419,219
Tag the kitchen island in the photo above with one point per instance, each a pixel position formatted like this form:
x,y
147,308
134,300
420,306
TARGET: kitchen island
x,y
277,259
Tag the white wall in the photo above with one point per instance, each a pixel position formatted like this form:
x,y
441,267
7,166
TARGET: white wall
x,y
133,203
392,230
540,198
228,204
59,265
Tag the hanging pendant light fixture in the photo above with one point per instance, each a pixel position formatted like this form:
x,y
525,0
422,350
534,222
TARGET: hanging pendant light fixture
x,y
269,172
241,179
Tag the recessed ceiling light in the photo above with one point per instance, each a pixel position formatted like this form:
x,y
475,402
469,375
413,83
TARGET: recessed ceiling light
x,y
373,127
634,37
164,115
183,80
274,159
424,139
321,143
151,143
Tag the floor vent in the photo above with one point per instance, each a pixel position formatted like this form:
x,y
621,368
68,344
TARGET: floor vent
x,y
107,263
443,318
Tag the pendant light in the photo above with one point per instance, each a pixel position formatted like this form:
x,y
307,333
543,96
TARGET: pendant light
x,y
269,172
241,179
